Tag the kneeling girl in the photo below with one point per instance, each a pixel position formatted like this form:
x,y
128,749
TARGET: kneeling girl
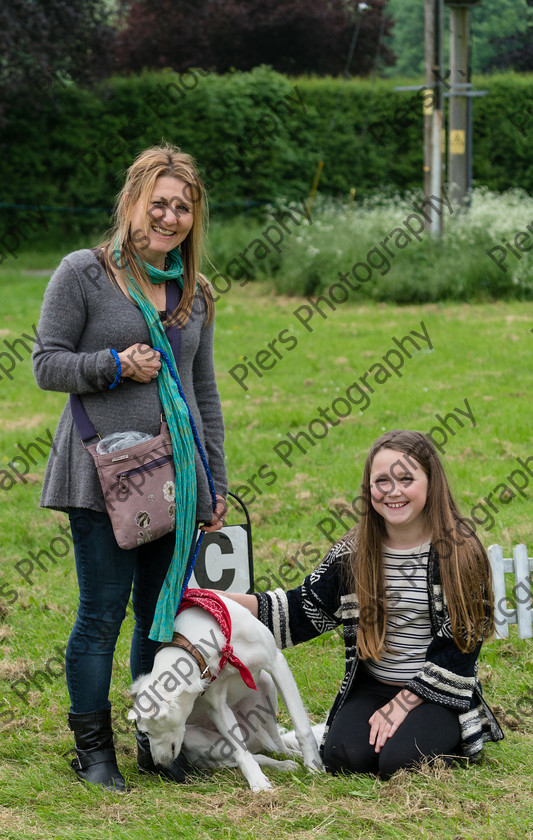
x,y
411,587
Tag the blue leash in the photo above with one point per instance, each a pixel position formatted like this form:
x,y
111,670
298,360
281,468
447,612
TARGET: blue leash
x,y
201,452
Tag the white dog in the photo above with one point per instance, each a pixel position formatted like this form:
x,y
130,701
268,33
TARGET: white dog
x,y
221,721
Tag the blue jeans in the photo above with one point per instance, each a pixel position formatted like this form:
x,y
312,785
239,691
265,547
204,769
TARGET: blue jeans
x,y
105,577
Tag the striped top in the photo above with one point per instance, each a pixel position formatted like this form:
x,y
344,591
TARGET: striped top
x,y
408,631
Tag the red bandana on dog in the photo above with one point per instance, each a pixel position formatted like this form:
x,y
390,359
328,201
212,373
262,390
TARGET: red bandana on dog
x,y
211,603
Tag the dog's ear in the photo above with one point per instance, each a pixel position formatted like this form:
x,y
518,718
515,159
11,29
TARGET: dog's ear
x,y
157,709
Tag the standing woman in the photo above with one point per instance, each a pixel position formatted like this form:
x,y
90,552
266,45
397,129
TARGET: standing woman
x,y
103,313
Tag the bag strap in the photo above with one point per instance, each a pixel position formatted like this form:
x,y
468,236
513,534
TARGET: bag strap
x,y
173,332
81,419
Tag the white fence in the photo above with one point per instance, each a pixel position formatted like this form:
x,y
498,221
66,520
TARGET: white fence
x,y
515,608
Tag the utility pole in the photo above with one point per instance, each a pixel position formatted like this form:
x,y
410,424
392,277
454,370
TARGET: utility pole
x,y
433,106
460,107
459,92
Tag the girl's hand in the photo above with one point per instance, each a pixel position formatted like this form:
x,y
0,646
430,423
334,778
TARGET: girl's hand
x,y
385,722
248,601
140,362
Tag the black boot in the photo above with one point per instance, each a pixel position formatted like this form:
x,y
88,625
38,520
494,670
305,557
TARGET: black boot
x,y
179,771
95,761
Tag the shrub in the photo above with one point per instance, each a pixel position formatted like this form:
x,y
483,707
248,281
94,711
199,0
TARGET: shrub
x,y
257,137
424,269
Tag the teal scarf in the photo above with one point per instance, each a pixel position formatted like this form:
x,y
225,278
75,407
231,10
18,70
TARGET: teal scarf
x,y
177,417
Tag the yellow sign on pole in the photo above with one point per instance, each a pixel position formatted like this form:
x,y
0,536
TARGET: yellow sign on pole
x,y
427,102
457,142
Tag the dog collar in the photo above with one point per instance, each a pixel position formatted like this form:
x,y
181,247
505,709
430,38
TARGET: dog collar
x,y
211,603
181,641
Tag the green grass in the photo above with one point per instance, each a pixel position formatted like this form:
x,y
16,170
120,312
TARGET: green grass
x,y
481,353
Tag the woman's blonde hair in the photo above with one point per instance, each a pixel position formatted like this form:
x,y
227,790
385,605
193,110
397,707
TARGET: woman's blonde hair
x,y
153,163
464,567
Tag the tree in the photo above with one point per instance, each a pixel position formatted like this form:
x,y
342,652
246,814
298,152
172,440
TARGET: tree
x,y
494,24
46,41
407,39
164,34
516,51
498,28
292,36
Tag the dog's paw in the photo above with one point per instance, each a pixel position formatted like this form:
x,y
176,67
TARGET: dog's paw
x,y
315,766
287,765
290,743
260,786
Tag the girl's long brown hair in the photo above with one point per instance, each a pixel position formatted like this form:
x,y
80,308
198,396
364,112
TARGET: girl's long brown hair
x,y
139,185
464,566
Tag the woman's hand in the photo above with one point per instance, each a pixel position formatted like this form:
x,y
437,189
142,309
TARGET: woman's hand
x,y
218,516
385,722
140,362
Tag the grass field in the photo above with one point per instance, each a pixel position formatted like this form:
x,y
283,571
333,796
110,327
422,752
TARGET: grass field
x,y
475,358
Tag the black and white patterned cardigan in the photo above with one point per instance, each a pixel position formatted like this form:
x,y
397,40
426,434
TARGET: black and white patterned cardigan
x,y
448,677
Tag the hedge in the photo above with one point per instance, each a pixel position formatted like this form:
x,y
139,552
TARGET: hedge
x,y
257,137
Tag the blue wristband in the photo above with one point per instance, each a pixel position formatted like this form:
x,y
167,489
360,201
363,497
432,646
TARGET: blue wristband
x,y
118,376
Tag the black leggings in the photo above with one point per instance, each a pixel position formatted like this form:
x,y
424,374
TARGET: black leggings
x,y
429,730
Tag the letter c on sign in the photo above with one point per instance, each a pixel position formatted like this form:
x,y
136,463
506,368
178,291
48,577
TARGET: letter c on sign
x,y
225,546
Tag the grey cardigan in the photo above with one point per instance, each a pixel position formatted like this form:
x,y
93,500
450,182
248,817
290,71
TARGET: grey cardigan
x,y
84,315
